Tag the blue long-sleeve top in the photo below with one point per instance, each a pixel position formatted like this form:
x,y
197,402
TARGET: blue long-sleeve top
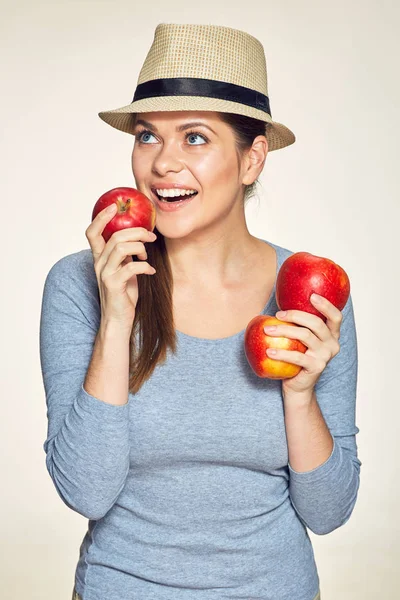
x,y
187,488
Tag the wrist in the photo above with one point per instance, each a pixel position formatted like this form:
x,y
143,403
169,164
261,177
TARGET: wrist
x,y
299,399
110,328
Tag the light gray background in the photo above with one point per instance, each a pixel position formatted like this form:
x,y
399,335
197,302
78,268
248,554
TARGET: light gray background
x,y
334,80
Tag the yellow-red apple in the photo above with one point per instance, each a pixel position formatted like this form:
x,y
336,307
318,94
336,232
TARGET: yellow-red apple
x,y
256,342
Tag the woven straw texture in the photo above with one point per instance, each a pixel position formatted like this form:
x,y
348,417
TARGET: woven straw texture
x,y
210,52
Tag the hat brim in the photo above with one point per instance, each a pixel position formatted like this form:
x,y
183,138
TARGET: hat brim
x,y
277,134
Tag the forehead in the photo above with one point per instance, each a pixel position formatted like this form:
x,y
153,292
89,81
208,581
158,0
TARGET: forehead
x,y
179,117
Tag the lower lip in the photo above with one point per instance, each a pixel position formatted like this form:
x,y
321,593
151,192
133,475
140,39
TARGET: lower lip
x,y
172,206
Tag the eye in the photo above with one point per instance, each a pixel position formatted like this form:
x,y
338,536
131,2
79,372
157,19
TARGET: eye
x,y
139,135
194,134
190,134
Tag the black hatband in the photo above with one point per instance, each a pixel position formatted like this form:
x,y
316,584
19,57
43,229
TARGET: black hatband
x,y
193,86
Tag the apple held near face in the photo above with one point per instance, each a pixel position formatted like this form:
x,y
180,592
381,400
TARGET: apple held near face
x,y
134,210
303,273
256,342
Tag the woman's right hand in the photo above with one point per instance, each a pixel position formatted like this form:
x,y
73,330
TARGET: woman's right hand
x,y
116,272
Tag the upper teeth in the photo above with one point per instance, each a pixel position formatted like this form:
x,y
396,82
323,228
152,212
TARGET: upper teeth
x,y
174,192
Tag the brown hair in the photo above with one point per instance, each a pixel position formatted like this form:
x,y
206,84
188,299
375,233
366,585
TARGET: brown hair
x,y
153,323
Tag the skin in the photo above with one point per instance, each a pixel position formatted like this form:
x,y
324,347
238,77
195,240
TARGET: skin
x,y
208,241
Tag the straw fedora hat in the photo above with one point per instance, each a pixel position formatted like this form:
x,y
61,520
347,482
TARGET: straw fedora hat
x,y
203,67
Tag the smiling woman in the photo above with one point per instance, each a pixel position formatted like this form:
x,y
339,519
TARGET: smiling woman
x,y
244,130
221,168
160,433
196,131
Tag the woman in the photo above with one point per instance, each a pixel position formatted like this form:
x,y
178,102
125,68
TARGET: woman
x,y
199,479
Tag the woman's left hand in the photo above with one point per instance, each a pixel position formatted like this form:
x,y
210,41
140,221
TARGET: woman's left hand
x,y
321,339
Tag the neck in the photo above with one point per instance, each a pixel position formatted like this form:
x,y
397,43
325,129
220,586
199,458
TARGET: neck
x,y
213,257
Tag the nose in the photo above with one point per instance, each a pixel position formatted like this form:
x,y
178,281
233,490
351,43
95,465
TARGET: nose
x,y
167,159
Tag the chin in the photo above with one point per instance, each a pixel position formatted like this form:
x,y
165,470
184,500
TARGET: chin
x,y
174,235
174,228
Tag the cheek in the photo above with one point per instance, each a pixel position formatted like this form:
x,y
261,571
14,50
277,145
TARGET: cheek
x,y
216,172
139,165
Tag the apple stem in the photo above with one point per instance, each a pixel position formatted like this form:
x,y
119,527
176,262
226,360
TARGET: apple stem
x,y
125,205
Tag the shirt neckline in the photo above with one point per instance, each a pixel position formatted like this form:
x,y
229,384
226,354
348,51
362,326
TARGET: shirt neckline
x,y
185,336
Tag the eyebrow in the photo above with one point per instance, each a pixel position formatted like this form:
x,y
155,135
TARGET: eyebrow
x,y
179,128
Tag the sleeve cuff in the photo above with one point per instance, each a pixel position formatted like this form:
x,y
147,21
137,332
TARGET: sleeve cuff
x,y
97,407
318,472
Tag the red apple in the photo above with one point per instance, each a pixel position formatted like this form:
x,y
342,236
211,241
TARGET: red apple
x,y
134,210
256,342
303,273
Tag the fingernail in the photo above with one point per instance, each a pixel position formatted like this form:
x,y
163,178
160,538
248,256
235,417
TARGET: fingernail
x,y
281,313
153,235
315,298
110,209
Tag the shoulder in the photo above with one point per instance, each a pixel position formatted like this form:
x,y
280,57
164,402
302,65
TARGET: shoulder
x,y
75,267
282,253
71,281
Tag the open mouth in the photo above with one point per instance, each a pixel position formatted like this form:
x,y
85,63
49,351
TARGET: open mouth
x,y
175,198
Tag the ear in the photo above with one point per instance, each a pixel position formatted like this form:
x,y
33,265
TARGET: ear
x,y
255,160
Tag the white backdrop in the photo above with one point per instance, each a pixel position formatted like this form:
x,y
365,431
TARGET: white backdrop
x,y
333,79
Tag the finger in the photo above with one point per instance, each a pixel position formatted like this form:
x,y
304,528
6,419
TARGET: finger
x,y
116,280
295,333
312,322
95,229
129,234
332,313
290,356
309,363
121,251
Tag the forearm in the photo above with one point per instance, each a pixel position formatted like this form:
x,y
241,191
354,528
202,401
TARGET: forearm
x,y
89,459
107,377
85,366
324,476
309,440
